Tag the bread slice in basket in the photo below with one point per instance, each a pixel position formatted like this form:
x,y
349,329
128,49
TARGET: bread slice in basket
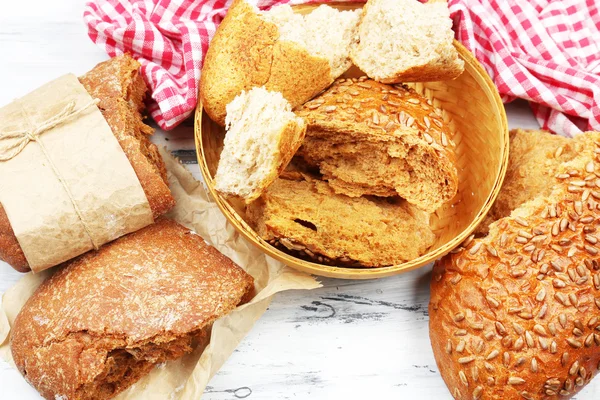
x,y
368,138
305,217
407,41
296,55
262,136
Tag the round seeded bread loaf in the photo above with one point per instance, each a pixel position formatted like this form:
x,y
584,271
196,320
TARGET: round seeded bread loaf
x,y
516,314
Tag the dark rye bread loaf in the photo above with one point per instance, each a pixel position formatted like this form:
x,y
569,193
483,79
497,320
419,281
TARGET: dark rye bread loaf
x,y
368,138
107,318
516,314
121,91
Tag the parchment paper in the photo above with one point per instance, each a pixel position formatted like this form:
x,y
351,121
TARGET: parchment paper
x,y
83,155
186,378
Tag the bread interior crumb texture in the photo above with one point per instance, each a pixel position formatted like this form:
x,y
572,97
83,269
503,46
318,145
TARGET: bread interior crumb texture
x,y
255,120
325,32
399,34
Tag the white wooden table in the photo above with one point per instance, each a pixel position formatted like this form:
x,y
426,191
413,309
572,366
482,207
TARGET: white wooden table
x,y
352,340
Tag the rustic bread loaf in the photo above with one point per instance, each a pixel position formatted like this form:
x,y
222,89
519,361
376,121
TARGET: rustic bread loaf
x,y
107,318
296,55
304,217
263,135
406,41
533,159
121,91
516,314
368,138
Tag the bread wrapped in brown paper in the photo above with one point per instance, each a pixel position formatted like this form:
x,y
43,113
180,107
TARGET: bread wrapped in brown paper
x,y
121,91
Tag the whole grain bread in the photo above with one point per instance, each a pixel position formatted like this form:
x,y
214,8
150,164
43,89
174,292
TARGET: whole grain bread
x,y
368,138
303,216
107,318
533,161
254,49
516,314
263,134
121,91
407,41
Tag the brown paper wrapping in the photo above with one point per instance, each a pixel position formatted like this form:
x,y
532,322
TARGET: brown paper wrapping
x,y
187,378
79,194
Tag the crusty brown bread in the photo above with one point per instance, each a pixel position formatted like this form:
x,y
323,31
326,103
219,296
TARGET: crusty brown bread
x,y
249,50
368,138
304,217
516,314
107,318
533,159
407,41
121,91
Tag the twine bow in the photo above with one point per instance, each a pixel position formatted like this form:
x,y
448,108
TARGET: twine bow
x,y
24,137
21,138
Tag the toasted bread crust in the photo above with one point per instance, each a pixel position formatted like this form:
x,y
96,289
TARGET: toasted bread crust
x,y
246,52
106,318
121,91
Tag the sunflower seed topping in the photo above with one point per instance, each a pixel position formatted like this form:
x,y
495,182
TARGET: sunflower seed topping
x,y
513,380
466,360
463,378
521,221
541,295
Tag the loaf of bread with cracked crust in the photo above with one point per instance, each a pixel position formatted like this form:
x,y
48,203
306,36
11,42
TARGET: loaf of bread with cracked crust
x,y
368,138
516,314
107,318
285,52
121,91
533,160
304,217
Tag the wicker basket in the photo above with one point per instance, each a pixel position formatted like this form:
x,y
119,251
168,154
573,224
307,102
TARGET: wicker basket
x,y
473,110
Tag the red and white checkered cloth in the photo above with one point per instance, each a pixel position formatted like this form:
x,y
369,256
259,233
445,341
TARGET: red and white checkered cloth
x,y
544,51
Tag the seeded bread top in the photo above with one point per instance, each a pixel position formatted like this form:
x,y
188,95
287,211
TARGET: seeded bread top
x,y
368,138
533,160
517,314
367,106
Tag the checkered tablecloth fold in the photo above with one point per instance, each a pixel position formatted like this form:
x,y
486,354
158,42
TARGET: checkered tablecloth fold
x,y
544,51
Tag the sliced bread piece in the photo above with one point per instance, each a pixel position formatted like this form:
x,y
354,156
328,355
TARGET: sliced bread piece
x,y
407,41
368,138
263,135
296,55
305,217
